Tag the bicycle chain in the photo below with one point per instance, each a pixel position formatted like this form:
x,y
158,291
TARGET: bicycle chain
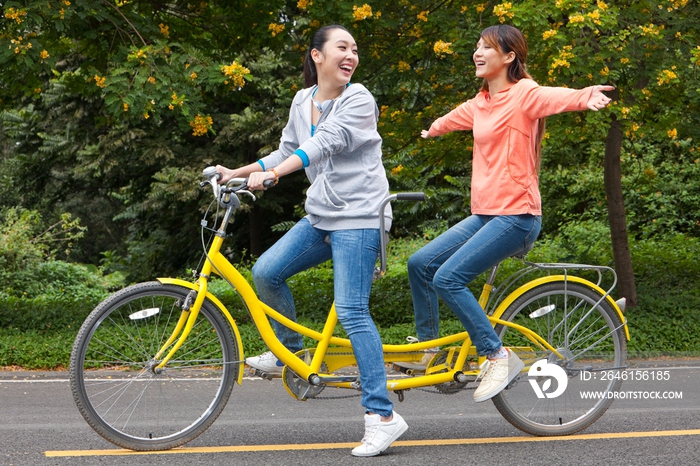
x,y
451,391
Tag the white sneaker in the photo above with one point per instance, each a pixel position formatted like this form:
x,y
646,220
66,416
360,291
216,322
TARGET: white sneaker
x,y
497,374
379,435
266,362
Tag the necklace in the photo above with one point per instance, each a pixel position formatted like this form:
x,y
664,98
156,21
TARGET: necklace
x,y
323,106
320,106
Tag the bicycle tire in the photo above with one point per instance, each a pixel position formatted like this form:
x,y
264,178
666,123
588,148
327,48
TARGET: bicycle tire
x,y
591,337
111,369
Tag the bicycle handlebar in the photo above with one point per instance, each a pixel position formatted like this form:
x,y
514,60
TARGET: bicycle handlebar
x,y
240,185
234,185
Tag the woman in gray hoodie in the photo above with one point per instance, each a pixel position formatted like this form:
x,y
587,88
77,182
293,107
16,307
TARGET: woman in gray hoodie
x,y
332,134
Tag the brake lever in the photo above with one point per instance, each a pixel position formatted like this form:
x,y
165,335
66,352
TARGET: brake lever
x,y
267,184
245,191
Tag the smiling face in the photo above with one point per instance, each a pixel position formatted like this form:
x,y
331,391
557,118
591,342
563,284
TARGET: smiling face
x,y
338,59
491,63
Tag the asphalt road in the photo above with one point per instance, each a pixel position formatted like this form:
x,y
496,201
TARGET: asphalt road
x,y
41,426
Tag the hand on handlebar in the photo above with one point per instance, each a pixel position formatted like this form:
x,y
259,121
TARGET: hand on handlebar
x,y
261,180
226,174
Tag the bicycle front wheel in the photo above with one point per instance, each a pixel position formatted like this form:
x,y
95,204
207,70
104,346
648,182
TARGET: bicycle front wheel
x,y
113,374
562,395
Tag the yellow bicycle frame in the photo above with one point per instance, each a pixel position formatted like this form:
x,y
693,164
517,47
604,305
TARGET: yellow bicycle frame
x,y
335,358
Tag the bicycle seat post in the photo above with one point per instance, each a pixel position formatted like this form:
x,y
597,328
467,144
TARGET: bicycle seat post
x,y
383,236
492,275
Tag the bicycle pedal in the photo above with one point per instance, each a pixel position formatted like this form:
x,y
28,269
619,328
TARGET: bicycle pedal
x,y
407,371
512,383
264,375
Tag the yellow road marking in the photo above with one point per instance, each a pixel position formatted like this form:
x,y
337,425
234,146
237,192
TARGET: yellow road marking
x,y
400,443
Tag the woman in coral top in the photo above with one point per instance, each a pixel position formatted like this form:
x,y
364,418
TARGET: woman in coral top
x,y
507,120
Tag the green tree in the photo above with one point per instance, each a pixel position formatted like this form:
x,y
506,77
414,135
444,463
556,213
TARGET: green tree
x,y
115,118
121,104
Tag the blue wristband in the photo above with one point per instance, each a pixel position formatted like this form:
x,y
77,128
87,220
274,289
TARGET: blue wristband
x,y
304,158
262,164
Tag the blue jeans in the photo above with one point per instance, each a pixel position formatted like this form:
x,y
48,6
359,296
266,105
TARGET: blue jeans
x,y
354,254
445,265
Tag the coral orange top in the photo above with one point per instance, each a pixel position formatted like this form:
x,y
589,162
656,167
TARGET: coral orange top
x,y
504,166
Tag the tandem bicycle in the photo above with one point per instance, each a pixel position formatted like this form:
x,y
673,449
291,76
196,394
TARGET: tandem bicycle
x,y
154,346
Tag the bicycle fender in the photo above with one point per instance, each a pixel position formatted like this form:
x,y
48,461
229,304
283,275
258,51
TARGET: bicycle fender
x,y
220,305
559,278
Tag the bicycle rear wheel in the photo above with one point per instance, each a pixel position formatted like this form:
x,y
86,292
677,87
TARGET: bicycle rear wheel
x,y
113,377
589,335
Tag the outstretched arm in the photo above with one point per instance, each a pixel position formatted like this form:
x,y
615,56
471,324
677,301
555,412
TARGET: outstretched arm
x,y
598,100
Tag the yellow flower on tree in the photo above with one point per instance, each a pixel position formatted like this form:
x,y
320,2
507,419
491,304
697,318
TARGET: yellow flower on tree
x,y
423,15
503,11
177,100
100,82
576,18
275,28
303,4
138,55
403,66
547,34
442,48
200,125
16,15
651,30
665,77
672,133
164,29
361,12
563,60
595,16
44,55
236,73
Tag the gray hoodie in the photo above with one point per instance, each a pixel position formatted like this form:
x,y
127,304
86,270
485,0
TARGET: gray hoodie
x,y
348,180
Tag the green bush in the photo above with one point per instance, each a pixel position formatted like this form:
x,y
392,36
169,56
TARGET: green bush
x,y
41,309
36,349
666,272
17,248
26,240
